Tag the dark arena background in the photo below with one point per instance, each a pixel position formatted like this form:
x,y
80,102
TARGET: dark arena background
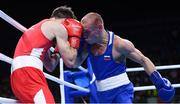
x,y
153,27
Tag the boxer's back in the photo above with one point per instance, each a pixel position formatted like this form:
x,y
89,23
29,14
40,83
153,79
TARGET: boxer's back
x,y
33,42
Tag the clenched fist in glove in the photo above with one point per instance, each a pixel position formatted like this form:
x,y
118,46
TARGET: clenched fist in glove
x,y
165,90
74,29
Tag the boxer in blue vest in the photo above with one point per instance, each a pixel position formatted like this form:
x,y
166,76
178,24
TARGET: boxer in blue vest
x,y
108,53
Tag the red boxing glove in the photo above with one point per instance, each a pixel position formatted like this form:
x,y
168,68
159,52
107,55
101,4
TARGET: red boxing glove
x,y
74,29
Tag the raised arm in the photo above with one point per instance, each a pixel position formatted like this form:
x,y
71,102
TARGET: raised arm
x,y
68,36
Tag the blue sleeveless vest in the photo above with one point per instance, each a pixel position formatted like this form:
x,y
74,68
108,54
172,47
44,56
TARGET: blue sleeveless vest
x,y
103,65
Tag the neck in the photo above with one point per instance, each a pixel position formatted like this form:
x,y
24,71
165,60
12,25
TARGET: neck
x,y
100,47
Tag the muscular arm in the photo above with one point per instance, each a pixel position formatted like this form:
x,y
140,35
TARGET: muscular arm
x,y
54,29
68,54
127,48
82,55
165,90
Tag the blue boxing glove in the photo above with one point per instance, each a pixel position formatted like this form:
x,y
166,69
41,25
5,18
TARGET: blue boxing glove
x,y
165,90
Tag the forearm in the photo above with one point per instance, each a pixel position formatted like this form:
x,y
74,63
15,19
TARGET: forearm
x,y
149,67
69,56
165,89
163,85
78,62
51,61
80,59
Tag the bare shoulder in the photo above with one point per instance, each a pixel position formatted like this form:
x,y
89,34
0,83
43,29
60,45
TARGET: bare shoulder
x,y
52,28
122,45
121,42
51,24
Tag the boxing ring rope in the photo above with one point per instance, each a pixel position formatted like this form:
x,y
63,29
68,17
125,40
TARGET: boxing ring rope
x,y
8,101
52,78
61,76
20,27
12,21
62,82
157,67
142,88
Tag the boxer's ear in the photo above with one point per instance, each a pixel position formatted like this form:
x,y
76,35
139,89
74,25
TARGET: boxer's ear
x,y
100,26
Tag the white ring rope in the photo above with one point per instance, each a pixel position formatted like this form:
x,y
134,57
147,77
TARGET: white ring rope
x,y
8,101
87,90
20,27
142,88
62,89
9,60
12,21
157,68
59,81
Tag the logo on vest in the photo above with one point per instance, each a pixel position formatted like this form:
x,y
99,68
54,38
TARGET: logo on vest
x,y
107,57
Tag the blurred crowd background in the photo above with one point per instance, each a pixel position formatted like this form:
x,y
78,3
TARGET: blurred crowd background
x,y
154,29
